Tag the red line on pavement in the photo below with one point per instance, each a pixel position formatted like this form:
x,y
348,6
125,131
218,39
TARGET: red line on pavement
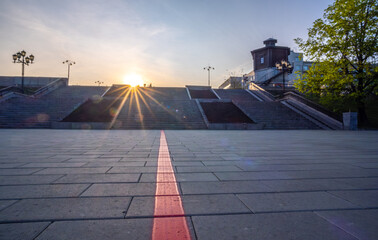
x,y
174,225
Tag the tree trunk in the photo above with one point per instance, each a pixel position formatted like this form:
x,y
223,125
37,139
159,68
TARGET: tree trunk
x,y
362,117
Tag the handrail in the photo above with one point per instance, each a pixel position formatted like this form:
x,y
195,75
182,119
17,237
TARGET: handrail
x,y
312,105
264,94
268,76
50,86
9,89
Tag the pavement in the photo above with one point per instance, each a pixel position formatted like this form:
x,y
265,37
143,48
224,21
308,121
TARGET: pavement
x,y
97,184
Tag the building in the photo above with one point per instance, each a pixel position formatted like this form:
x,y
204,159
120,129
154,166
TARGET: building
x,y
264,65
264,70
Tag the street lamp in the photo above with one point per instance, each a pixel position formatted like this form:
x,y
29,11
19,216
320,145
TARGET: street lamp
x,y
284,67
99,83
20,58
69,64
208,68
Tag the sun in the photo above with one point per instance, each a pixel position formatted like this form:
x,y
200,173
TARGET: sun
x,y
133,80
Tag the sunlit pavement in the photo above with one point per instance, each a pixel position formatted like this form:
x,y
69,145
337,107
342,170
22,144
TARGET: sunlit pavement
x,y
68,184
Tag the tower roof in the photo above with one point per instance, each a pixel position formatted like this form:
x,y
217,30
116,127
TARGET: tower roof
x,y
270,42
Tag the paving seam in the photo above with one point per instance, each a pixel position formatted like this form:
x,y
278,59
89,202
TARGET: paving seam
x,y
127,208
85,189
339,197
344,230
179,216
42,230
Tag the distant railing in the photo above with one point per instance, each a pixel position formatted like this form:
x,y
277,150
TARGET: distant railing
x,y
267,77
261,92
51,86
313,105
9,89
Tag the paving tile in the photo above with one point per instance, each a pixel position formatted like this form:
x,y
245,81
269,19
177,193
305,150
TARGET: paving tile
x,y
306,185
40,191
300,201
138,159
65,208
25,231
73,170
6,203
209,169
367,165
115,164
10,165
99,230
133,170
223,187
103,229
335,173
294,226
364,198
193,204
99,178
121,189
360,223
361,183
52,165
29,179
283,167
18,171
85,159
220,163
182,177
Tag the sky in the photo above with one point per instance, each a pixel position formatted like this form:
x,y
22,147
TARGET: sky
x,y
165,42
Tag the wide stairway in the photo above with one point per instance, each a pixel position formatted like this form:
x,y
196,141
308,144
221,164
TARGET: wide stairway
x,y
141,108
39,112
273,115
159,108
236,95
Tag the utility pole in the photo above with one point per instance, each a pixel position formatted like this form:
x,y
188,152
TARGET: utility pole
x,y
208,68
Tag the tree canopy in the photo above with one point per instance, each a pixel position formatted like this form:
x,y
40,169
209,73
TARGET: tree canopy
x,y
343,45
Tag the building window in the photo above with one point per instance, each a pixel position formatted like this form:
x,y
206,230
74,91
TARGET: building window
x,y
297,68
305,68
261,60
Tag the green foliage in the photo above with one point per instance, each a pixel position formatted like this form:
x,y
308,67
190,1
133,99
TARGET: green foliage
x,y
344,47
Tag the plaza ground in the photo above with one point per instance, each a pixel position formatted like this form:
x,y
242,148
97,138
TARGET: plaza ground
x,y
81,184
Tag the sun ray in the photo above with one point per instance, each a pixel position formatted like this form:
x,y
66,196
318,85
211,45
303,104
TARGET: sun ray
x,y
119,107
138,107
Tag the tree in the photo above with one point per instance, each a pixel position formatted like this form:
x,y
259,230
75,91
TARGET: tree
x,y
344,47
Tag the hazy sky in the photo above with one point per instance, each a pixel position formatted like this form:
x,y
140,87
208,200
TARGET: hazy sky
x,y
167,42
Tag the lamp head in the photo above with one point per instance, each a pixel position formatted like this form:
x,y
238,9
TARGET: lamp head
x,y
23,53
14,57
18,55
31,57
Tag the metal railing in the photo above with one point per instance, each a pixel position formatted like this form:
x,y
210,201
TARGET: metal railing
x,y
312,105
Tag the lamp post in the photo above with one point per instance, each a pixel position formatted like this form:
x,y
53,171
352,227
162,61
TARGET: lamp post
x,y
284,67
20,58
208,68
69,64
99,83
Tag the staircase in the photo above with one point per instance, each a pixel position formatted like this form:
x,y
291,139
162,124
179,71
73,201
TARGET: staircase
x,y
159,108
236,95
39,112
274,115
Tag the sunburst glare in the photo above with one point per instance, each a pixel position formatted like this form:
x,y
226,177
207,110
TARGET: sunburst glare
x,y
133,80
